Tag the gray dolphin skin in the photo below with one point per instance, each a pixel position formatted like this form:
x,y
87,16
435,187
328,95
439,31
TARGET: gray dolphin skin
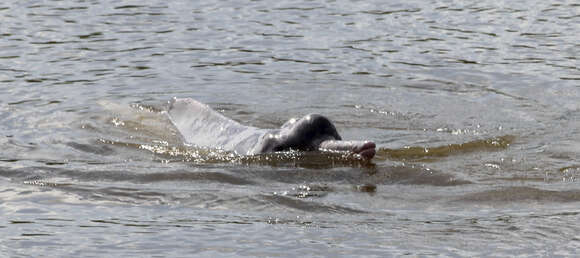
x,y
204,127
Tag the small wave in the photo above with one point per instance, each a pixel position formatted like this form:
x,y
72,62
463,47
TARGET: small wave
x,y
90,148
431,153
308,206
389,12
522,194
206,199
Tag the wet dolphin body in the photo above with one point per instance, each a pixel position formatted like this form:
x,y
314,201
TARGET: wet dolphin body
x,y
202,126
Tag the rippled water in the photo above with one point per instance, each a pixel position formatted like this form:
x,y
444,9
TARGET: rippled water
x,y
473,106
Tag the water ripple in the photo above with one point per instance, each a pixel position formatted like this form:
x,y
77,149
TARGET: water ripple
x,y
473,107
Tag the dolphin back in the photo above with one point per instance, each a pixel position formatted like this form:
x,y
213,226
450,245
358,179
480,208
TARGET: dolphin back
x,y
204,127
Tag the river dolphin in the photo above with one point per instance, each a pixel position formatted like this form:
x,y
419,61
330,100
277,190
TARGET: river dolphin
x,y
202,126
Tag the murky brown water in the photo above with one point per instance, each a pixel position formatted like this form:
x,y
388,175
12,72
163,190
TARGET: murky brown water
x,y
474,108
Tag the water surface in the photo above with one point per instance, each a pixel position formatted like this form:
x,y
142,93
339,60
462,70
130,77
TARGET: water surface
x,y
473,106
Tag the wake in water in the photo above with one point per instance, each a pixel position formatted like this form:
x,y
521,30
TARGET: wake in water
x,y
149,128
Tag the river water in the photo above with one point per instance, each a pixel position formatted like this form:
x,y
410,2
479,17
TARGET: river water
x,y
473,106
